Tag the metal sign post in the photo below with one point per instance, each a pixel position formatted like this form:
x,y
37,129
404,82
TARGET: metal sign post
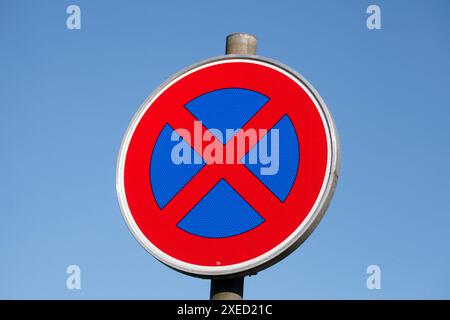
x,y
227,289
233,288
214,205
241,43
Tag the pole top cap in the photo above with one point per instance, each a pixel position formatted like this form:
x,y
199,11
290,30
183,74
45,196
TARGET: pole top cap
x,y
241,43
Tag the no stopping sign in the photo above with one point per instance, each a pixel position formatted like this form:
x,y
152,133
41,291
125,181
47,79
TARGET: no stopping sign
x,y
228,166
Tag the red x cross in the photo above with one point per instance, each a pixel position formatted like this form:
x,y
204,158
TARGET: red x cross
x,y
238,176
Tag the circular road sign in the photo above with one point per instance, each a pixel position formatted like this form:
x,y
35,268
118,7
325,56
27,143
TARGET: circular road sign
x,y
228,166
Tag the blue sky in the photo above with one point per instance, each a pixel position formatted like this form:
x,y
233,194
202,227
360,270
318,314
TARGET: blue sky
x,y
67,96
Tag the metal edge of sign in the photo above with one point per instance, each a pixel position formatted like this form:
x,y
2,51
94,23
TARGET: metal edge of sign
x,y
288,245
